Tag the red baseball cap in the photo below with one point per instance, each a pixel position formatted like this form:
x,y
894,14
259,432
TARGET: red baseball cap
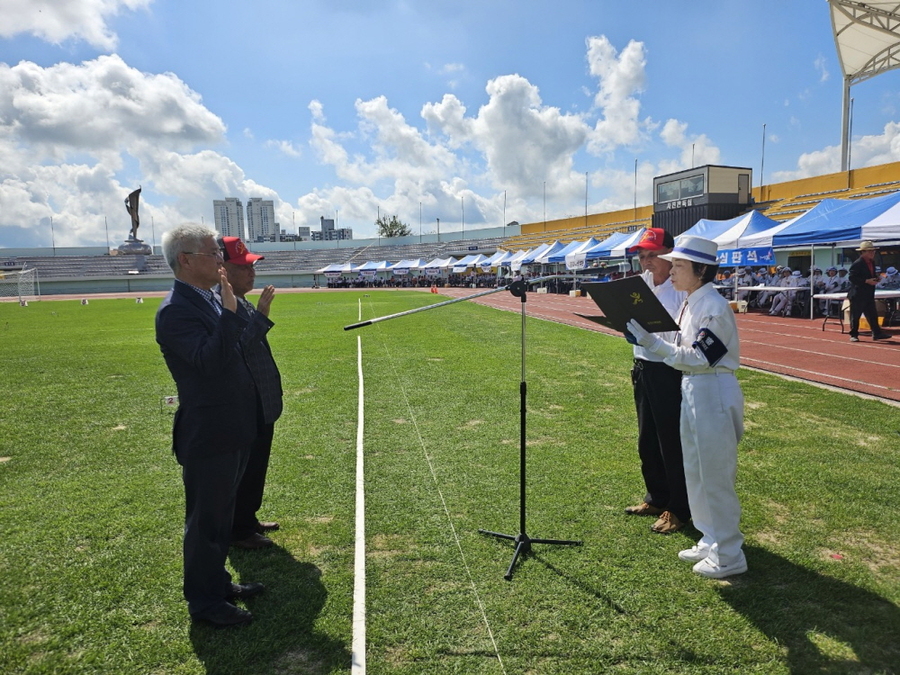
x,y
656,239
235,251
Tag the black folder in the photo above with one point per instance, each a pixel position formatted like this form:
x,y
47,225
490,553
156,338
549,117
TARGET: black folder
x,y
625,299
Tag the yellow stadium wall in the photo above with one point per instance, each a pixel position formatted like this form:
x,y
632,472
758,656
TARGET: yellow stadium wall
x,y
641,216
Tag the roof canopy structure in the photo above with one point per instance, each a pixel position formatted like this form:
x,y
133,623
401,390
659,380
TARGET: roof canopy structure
x,y
867,37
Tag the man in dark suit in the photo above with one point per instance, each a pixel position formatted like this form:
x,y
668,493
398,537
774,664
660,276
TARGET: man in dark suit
x,y
216,421
861,293
248,531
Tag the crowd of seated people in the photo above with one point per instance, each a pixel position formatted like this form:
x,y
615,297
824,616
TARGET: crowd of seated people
x,y
792,289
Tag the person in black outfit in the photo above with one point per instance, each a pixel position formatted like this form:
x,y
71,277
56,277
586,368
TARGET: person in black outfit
x,y
199,334
861,293
247,531
657,400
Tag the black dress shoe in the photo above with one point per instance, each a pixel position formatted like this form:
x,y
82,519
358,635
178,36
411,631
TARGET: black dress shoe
x,y
224,615
244,591
262,527
254,541
882,336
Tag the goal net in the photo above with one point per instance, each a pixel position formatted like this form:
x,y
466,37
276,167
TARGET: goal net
x,y
19,284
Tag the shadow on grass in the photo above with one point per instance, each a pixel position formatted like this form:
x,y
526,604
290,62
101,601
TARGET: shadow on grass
x,y
823,624
282,637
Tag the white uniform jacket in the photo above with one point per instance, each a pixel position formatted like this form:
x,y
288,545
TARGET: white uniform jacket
x,y
708,339
672,300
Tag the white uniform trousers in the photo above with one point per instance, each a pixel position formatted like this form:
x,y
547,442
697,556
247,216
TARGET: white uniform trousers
x,y
712,423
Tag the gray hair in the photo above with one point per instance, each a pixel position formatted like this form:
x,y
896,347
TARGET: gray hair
x,y
185,237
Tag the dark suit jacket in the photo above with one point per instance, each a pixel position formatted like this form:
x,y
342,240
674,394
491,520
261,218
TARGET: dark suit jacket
x,y
216,392
259,359
859,290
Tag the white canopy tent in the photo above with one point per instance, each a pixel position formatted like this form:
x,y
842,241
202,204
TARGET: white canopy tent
x,y
867,38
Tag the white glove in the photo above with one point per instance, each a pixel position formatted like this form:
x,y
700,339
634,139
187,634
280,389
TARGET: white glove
x,y
649,341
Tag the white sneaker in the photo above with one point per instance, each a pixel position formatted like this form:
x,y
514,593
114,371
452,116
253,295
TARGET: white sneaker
x,y
705,568
694,554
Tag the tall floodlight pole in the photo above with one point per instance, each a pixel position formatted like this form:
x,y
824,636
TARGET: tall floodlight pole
x,y
545,206
52,237
153,231
106,227
439,230
762,164
845,126
850,140
585,197
635,188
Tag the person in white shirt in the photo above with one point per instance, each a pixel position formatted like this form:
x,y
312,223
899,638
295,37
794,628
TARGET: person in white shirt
x,y
657,401
707,351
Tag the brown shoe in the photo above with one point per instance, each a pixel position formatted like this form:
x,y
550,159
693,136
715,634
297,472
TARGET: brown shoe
x,y
262,527
667,524
254,541
644,509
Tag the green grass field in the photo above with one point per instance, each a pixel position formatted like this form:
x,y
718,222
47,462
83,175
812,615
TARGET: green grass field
x,y
91,508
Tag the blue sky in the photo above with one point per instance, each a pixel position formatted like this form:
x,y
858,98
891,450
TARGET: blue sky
x,y
348,108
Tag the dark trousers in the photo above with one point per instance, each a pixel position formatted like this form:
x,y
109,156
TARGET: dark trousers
x,y
657,400
863,307
250,490
210,485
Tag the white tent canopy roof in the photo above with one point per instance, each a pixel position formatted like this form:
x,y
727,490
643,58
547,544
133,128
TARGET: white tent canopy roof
x,y
867,37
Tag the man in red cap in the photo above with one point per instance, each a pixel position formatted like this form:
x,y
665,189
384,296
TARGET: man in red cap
x,y
657,399
247,530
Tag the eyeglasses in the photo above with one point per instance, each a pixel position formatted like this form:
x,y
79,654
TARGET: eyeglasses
x,y
217,256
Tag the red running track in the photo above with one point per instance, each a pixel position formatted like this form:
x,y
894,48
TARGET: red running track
x,y
793,347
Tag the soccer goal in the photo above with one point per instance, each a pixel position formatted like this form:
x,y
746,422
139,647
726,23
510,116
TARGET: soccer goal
x,y
19,284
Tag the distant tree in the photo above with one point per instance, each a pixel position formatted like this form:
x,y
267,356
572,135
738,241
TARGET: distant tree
x,y
392,228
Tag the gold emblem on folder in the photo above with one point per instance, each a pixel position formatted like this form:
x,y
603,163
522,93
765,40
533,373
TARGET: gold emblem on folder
x,y
636,298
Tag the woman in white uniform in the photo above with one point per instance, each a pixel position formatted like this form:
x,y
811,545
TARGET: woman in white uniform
x,y
707,351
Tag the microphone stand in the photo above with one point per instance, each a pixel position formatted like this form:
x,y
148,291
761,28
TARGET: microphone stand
x,y
523,542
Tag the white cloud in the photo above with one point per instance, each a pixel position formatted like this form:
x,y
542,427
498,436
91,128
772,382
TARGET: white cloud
x,y
621,80
872,150
285,147
76,139
102,104
820,66
59,20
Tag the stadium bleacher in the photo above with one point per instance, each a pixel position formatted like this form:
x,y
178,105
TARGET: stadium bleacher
x,y
777,201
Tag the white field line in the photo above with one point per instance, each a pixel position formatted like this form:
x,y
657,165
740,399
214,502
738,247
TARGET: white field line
x,y
358,660
440,492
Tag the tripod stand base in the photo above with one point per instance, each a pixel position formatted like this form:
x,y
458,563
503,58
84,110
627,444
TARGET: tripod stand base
x,y
523,546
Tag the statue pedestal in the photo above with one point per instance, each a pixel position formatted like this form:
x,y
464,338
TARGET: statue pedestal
x,y
134,246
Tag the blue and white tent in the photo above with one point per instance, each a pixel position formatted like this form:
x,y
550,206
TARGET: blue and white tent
x,y
731,233
548,251
575,261
405,266
572,247
527,257
496,260
623,248
468,261
844,222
